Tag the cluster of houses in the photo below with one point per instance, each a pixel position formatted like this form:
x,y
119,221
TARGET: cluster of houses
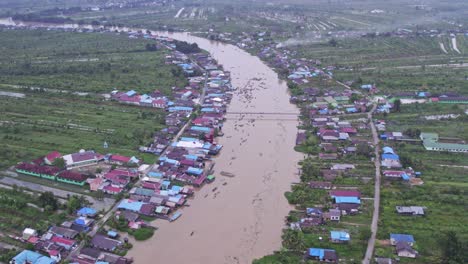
x,y
109,182
337,139
187,160
431,141
428,97
57,242
331,102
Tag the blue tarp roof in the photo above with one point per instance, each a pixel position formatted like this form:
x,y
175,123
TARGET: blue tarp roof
x,y
347,199
112,233
402,238
317,252
200,128
313,211
390,156
405,177
351,110
196,171
388,150
130,205
340,235
86,211
28,256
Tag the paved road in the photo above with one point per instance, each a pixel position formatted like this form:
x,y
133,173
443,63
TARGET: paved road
x,y
97,204
375,216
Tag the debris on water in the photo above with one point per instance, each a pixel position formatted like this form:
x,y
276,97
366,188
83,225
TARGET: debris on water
x,y
227,174
214,189
225,183
193,232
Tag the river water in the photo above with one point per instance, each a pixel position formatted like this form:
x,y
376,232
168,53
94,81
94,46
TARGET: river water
x,y
238,219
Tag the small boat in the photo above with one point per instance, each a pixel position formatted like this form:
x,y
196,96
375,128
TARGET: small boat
x,y
175,216
227,174
210,178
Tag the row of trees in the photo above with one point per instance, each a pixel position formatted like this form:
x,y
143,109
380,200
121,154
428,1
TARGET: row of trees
x,y
186,47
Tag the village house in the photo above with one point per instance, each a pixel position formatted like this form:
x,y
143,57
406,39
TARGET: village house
x,y
332,215
51,157
390,159
410,210
404,249
82,158
339,237
431,142
105,243
395,238
320,185
31,257
325,255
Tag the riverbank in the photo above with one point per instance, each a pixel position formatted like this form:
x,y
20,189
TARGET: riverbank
x,y
245,212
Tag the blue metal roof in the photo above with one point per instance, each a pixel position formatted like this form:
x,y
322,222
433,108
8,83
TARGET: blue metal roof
x,y
402,238
191,157
180,108
347,199
155,174
188,139
130,205
86,211
200,128
390,156
28,256
340,235
317,252
131,93
196,171
207,109
388,150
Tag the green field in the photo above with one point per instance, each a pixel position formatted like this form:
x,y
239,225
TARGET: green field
x,y
83,62
444,192
48,119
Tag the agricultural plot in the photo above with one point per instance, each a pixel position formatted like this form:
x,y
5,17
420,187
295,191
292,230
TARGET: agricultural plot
x,y
45,119
83,62
443,194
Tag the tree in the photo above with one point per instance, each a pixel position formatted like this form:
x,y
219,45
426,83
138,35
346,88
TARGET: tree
x,y
397,105
452,249
293,240
75,202
48,201
59,162
332,42
100,195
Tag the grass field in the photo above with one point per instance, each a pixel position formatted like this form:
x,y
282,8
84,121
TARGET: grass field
x,y
83,62
48,120
444,192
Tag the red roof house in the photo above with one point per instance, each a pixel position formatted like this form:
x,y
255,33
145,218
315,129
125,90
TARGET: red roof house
x,y
51,157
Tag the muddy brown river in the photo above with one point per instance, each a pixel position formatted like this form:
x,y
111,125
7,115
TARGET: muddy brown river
x,y
236,219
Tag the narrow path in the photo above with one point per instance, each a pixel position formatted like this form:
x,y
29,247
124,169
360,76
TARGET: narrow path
x,y
375,216
454,45
442,47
